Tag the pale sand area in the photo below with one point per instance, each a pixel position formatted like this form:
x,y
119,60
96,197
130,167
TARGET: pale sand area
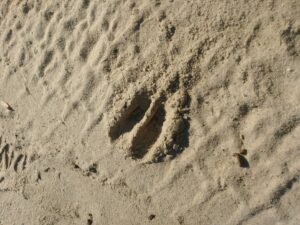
x,y
127,112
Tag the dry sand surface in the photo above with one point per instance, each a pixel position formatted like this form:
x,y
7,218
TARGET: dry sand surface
x,y
127,112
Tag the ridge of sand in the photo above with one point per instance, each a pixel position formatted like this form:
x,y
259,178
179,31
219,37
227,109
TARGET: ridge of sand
x,y
129,112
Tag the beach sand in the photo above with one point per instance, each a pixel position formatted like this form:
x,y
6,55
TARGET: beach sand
x,y
127,112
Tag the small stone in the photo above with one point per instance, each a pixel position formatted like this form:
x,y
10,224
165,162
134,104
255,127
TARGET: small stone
x,y
151,217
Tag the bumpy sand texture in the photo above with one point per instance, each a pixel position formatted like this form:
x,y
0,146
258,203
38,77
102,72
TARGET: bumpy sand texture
x,y
137,111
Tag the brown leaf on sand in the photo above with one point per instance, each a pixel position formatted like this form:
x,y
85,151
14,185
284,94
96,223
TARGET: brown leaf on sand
x,y
6,105
243,162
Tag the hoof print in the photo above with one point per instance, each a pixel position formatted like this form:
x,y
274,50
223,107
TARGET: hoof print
x,y
149,128
130,115
148,132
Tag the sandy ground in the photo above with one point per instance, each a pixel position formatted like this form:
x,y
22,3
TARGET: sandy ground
x,y
149,112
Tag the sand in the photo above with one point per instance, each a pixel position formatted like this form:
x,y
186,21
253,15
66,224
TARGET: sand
x,y
149,112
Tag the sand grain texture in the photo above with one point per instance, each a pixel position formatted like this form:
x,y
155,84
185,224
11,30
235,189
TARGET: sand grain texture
x,y
129,112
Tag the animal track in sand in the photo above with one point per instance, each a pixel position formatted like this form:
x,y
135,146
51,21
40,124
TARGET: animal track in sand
x,y
149,128
290,36
131,115
11,159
